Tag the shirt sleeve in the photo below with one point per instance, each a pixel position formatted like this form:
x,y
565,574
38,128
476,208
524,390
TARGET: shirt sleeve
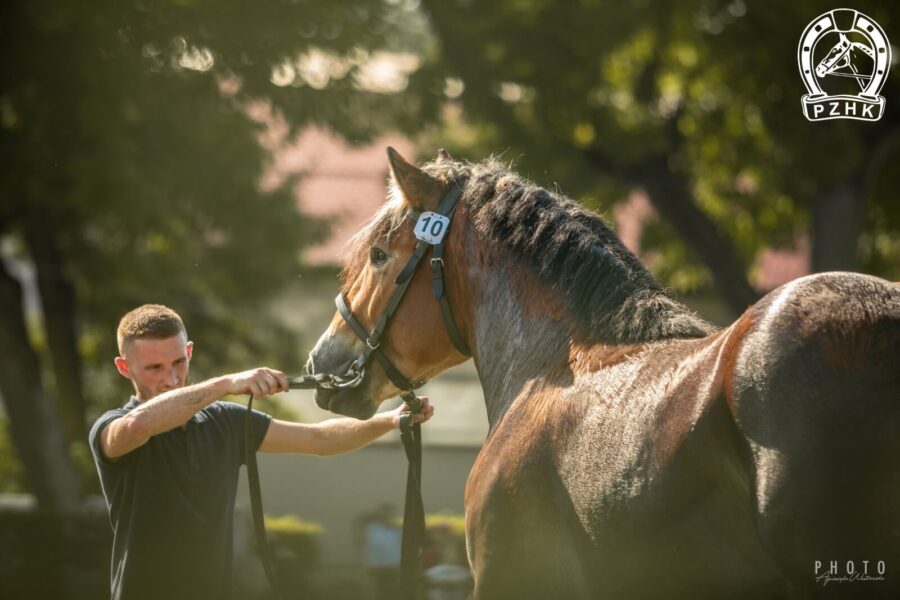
x,y
259,421
94,437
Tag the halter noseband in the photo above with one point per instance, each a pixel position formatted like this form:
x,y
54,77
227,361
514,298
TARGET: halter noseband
x,y
372,340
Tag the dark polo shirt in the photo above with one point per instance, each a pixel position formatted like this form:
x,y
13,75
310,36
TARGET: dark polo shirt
x,y
171,504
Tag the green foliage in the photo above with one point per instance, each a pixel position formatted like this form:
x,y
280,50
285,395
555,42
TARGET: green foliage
x,y
447,521
445,535
291,525
126,138
300,537
585,93
127,142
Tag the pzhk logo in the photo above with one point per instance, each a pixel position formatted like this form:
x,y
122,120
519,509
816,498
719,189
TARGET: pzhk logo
x,y
841,52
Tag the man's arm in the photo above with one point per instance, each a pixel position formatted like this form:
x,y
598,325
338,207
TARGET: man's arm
x,y
175,407
335,436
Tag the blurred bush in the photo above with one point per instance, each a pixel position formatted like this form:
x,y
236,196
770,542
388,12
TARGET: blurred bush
x,y
445,540
300,538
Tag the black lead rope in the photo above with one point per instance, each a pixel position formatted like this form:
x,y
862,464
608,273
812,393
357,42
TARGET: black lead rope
x,y
413,511
256,508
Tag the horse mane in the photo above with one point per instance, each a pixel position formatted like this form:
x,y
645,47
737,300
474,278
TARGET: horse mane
x,y
612,297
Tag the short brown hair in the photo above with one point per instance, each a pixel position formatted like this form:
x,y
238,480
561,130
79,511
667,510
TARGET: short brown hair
x,y
153,321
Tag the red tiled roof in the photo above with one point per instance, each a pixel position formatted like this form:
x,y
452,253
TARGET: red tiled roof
x,y
338,180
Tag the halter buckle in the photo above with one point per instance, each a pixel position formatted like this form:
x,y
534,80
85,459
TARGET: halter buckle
x,y
438,260
371,347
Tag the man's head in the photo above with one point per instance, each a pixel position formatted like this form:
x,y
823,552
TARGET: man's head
x,y
154,352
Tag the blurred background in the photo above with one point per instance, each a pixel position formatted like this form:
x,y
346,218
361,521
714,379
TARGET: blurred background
x,y
216,156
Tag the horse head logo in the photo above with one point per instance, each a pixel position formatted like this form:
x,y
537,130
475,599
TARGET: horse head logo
x,y
861,52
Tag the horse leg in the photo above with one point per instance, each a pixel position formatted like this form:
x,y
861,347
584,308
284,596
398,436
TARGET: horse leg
x,y
523,538
538,562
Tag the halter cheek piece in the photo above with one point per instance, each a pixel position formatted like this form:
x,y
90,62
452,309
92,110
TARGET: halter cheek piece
x,y
372,340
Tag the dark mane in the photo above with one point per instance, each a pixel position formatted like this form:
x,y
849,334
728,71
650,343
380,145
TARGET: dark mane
x,y
607,289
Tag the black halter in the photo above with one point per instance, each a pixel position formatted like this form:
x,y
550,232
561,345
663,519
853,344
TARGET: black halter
x,y
372,339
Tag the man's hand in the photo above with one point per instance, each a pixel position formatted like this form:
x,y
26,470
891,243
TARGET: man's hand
x,y
260,382
420,417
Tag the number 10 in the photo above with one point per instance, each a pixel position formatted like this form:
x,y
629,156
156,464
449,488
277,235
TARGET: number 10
x,y
436,228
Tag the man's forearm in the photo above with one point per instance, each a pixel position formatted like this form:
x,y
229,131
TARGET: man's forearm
x,y
337,436
175,407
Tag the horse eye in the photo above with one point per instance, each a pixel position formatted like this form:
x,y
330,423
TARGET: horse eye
x,y
378,256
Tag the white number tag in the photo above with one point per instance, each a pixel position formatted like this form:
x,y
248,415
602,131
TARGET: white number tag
x,y
431,227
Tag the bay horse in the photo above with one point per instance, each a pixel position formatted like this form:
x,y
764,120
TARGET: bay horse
x,y
634,450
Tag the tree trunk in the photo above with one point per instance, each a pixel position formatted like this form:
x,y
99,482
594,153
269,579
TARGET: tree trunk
x,y
35,427
58,306
837,221
671,196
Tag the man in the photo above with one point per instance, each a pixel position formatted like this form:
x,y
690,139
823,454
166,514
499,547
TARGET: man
x,y
169,459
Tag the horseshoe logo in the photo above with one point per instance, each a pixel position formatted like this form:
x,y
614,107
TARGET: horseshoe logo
x,y
859,40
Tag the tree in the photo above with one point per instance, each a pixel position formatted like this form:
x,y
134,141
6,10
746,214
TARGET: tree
x,y
131,174
697,103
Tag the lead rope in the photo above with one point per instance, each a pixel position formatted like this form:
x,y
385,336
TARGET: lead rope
x,y
259,523
413,510
256,507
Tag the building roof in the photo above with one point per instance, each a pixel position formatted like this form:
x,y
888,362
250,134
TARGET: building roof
x,y
336,180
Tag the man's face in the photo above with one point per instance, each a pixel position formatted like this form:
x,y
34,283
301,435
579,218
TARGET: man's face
x,y
156,366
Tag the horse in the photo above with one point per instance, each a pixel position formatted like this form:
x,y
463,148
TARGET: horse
x,y
635,450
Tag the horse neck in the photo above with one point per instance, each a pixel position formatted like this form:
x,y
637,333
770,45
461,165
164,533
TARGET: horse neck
x,y
515,325
520,329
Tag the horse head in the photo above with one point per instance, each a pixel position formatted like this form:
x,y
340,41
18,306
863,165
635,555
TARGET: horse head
x,y
837,57
415,339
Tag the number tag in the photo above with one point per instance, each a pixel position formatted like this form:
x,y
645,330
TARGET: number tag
x,y
431,227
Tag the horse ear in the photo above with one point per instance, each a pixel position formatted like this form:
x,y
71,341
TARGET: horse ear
x,y
421,190
443,156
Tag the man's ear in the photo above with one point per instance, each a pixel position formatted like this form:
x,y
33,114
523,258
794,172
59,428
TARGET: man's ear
x,y
189,348
420,190
122,367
